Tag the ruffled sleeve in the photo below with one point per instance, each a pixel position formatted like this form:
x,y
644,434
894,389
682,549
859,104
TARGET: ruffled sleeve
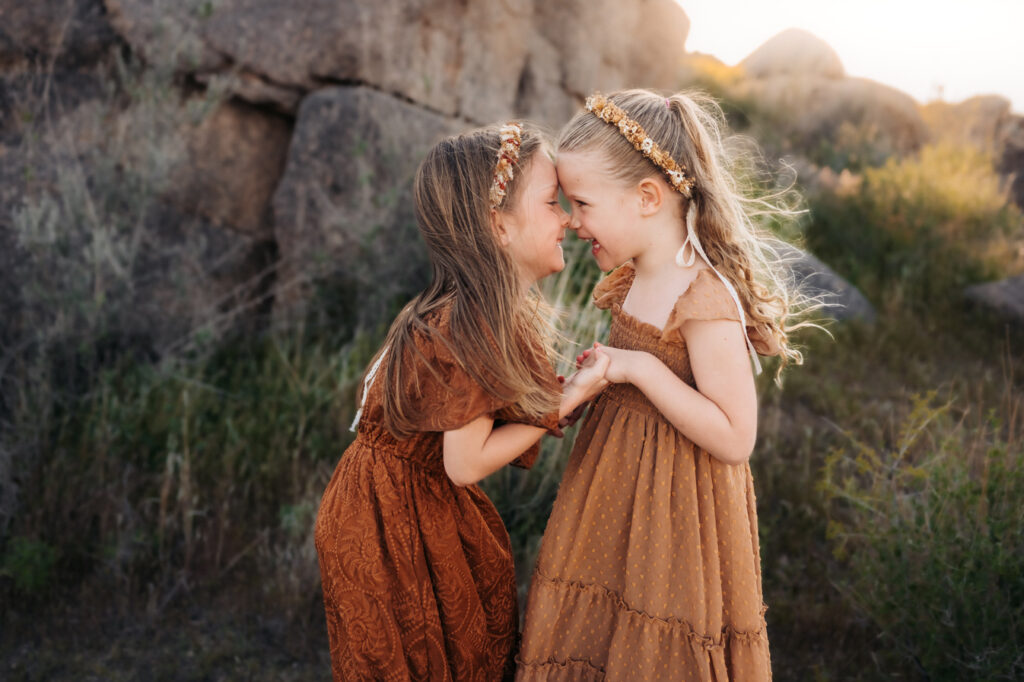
x,y
443,393
708,299
612,289
448,398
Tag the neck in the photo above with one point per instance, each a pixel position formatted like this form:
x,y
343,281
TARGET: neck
x,y
664,236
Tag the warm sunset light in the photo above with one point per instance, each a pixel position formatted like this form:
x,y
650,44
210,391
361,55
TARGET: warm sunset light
x,y
939,49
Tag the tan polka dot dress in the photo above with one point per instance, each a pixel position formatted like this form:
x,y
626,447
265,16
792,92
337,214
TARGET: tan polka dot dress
x,y
649,568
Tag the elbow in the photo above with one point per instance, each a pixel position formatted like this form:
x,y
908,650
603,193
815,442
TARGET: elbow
x,y
737,453
461,481
459,474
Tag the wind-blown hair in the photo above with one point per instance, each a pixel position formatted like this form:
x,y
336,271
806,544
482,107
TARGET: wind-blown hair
x,y
689,126
495,327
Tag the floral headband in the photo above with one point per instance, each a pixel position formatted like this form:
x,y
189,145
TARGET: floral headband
x,y
511,135
599,105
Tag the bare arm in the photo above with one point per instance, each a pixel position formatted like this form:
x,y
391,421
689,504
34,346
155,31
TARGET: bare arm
x,y
478,449
720,416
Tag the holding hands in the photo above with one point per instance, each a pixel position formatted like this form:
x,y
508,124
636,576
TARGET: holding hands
x,y
595,368
621,362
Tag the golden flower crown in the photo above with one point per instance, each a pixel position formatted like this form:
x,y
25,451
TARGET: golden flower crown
x,y
599,105
511,135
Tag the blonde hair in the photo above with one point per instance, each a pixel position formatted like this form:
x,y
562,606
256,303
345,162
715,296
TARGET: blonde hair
x,y
491,317
689,126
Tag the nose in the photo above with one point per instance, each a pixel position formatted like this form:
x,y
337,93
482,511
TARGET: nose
x,y
574,223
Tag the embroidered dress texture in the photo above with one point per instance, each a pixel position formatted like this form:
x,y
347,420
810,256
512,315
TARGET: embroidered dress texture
x,y
417,572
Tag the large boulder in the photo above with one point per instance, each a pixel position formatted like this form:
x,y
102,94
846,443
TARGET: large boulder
x,y
343,211
158,214
799,82
608,45
236,156
839,299
981,121
793,52
53,33
49,54
478,61
1004,298
1011,162
988,123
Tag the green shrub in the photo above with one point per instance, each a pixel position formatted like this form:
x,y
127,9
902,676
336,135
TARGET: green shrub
x,y
853,146
930,528
29,564
917,230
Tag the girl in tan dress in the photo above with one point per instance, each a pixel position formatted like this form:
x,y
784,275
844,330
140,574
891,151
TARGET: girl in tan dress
x,y
416,567
649,567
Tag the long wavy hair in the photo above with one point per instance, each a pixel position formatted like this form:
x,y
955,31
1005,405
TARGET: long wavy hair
x,y
491,316
690,126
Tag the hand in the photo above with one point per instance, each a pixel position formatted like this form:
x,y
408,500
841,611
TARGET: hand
x,y
582,357
621,362
589,380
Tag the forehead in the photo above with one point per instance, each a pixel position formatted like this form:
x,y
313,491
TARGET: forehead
x,y
540,172
577,168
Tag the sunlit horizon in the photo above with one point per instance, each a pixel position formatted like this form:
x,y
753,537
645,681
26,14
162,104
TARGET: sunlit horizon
x,y
943,49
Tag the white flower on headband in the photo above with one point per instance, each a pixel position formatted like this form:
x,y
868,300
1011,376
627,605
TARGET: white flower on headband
x,y
647,145
676,177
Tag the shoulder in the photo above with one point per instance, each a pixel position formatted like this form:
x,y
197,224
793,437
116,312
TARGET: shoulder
x,y
612,289
710,298
430,331
442,390
707,298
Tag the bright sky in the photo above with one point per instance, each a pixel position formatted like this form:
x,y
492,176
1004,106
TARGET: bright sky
x,y
927,48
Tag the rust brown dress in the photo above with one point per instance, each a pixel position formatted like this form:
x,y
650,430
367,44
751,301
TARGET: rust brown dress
x,y
417,572
649,567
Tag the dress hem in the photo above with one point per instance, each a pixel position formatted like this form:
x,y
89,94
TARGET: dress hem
x,y
708,642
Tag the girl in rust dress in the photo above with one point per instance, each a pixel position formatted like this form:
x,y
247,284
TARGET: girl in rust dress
x,y
416,565
649,567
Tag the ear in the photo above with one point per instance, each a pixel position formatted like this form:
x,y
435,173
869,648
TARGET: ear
x,y
501,229
652,196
